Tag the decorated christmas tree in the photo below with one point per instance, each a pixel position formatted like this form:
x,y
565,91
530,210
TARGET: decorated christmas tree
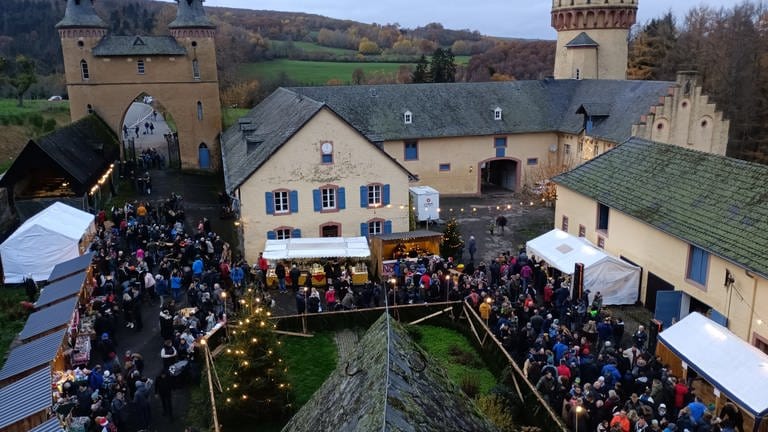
x,y
254,381
452,243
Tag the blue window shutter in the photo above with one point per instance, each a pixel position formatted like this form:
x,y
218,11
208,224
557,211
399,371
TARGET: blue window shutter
x,y
364,196
293,198
341,196
317,201
387,227
271,235
589,125
500,151
269,197
385,195
296,233
364,229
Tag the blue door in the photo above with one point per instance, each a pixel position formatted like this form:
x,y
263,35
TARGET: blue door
x,y
204,156
668,305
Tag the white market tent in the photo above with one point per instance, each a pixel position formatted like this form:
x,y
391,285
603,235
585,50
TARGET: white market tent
x,y
618,281
44,240
321,247
730,364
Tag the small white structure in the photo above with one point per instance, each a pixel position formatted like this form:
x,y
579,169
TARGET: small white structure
x,y
618,281
320,247
52,236
427,202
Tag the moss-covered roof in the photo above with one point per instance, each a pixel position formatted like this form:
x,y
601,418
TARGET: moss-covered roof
x,y
714,202
389,384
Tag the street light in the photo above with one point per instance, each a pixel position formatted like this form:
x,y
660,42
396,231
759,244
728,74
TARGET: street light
x,y
224,300
304,315
579,411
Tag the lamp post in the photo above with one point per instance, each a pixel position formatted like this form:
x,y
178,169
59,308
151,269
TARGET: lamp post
x,y
224,301
304,315
579,411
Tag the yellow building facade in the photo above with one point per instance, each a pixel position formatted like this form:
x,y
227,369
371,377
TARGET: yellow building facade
x,y
106,73
688,233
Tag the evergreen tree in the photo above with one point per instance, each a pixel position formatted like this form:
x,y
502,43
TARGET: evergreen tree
x,y
421,74
452,244
443,67
258,386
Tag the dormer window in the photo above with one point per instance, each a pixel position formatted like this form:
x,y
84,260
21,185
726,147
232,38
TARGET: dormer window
x,y
497,114
407,117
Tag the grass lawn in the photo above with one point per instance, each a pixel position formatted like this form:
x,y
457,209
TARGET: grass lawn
x,y
311,72
8,106
229,116
12,317
312,47
310,362
459,358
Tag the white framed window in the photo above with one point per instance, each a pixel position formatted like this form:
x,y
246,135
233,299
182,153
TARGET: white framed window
x,y
328,197
407,117
282,203
375,227
140,66
195,69
283,233
374,195
497,113
84,74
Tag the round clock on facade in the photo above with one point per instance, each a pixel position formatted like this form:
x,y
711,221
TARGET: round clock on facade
x,y
326,148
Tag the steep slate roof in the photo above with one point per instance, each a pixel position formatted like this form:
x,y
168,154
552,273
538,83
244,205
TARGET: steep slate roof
x,y
137,46
388,384
713,202
83,150
25,397
247,145
80,14
32,354
582,40
466,109
190,13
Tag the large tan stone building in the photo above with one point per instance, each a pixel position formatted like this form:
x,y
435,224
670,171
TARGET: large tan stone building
x,y
695,223
105,73
300,170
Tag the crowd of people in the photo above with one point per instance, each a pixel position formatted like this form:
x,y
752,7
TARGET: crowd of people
x,y
147,259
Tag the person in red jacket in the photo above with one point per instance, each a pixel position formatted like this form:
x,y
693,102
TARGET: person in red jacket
x,y
680,391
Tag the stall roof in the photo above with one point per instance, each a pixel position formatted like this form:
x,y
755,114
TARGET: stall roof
x,y
60,290
25,397
324,247
51,425
32,354
409,235
563,250
49,318
75,265
702,343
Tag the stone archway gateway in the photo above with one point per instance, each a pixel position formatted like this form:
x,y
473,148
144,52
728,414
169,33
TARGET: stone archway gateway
x,y
105,73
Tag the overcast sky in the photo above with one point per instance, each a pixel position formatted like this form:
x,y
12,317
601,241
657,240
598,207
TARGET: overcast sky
x,y
513,18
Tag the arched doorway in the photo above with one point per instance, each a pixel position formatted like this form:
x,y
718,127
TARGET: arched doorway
x,y
203,156
149,135
499,174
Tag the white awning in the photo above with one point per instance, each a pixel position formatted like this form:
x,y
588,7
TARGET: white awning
x,y
322,247
730,364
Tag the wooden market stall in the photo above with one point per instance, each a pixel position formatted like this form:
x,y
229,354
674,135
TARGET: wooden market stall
x,y
387,248
727,368
312,255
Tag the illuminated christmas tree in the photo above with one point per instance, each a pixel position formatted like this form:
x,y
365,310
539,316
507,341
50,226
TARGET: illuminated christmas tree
x,y
452,243
256,386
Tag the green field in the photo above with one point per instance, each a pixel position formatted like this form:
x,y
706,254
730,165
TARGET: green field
x,y
12,317
8,107
311,47
229,116
311,72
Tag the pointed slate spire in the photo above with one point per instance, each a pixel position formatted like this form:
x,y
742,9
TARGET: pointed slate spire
x,y
81,14
190,14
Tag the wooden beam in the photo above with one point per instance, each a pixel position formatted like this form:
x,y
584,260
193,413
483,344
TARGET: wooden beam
x,y
429,316
288,333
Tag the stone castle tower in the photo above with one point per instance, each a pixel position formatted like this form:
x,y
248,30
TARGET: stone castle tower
x,y
592,38
106,73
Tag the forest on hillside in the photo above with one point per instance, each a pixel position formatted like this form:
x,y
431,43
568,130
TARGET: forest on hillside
x,y
727,46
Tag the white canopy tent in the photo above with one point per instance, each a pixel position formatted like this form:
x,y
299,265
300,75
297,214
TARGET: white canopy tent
x,y
321,247
44,240
618,281
730,364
